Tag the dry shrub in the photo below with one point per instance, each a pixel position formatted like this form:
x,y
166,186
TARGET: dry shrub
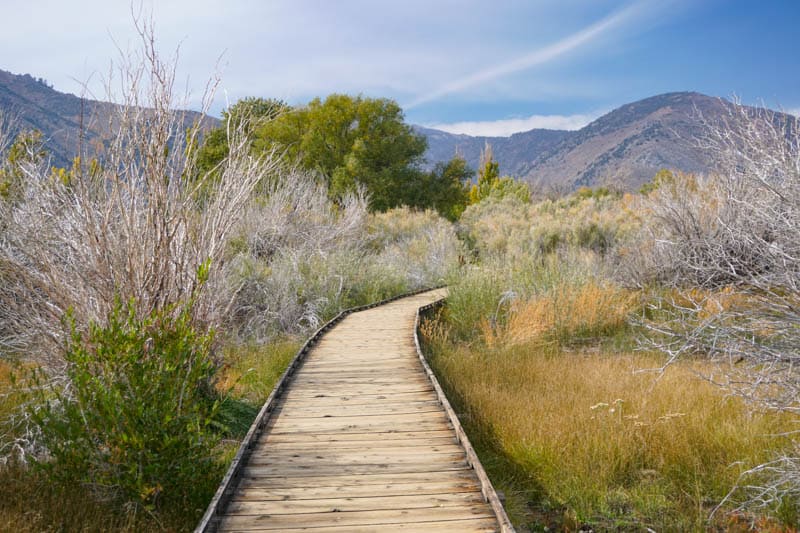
x,y
589,219
298,257
294,256
420,245
734,235
137,223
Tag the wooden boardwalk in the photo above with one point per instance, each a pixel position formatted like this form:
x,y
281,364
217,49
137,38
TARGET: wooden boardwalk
x,y
362,440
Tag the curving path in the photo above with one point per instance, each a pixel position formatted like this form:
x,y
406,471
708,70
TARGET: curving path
x,y
362,441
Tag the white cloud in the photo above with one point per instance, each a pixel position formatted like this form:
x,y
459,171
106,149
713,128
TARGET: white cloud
x,y
539,56
507,127
793,111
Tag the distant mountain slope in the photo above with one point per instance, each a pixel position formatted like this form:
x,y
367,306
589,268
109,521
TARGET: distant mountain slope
x,y
32,104
510,152
625,147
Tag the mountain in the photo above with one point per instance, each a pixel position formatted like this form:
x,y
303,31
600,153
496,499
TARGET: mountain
x,y
624,148
510,152
30,103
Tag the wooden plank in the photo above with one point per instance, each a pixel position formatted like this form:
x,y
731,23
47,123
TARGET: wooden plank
x,y
470,525
432,444
254,492
350,409
385,448
252,478
266,522
359,410
282,423
325,398
374,436
346,425
385,403
336,505
360,390
350,470
326,457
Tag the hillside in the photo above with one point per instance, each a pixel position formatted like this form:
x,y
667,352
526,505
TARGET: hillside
x,y
625,147
32,104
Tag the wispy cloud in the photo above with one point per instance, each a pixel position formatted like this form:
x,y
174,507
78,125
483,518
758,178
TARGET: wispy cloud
x,y
508,127
539,56
793,111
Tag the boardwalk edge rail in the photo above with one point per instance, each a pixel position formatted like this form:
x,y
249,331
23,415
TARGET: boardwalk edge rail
x,y
488,491
215,509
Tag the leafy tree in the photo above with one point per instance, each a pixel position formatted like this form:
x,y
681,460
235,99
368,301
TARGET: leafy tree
x,y
491,184
445,188
247,114
352,141
348,141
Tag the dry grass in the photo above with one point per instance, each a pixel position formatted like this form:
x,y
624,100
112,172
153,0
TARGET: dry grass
x,y
567,314
590,438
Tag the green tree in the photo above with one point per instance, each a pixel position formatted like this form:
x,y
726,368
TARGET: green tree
x,y
248,115
352,141
446,188
490,183
348,141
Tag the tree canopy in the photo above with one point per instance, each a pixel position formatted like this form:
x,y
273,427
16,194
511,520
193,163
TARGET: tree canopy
x,y
349,142
491,184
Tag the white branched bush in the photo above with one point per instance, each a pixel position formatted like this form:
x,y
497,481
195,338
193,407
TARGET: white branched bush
x,y
300,257
296,255
420,248
727,247
136,223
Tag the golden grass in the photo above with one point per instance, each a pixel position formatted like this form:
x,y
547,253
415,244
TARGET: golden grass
x,y
568,314
601,441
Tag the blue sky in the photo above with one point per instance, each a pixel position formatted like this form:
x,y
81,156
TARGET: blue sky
x,y
480,67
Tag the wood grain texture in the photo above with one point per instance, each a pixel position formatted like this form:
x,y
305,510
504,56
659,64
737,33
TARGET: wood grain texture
x,y
359,441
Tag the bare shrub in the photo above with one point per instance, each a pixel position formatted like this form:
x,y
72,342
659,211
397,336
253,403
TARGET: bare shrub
x,y
728,246
297,253
136,223
420,247
301,257
595,220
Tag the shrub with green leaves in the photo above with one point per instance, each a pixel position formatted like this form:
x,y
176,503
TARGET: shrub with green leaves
x,y
135,421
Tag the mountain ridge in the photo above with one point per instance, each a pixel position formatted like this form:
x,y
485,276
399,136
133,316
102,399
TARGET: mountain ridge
x,y
624,148
66,121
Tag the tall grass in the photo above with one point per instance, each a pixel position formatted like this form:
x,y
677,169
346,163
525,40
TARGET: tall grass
x,y
537,350
581,435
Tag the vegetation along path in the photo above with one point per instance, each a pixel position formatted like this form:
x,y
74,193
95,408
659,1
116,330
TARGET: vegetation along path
x,y
363,439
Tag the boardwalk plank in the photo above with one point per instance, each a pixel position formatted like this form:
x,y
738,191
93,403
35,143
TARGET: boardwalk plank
x,y
472,525
449,486
252,479
359,441
266,522
334,505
